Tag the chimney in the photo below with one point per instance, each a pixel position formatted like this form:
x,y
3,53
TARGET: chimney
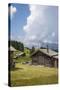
x,y
47,49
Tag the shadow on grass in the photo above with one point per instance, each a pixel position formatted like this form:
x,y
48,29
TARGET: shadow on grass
x,y
15,69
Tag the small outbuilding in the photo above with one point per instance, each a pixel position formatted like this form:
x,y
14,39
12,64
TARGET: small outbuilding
x,y
21,54
46,57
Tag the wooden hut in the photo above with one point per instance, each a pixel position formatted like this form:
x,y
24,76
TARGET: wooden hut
x,y
46,57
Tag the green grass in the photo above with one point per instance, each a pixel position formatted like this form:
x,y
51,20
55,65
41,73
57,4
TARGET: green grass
x,y
27,51
33,75
23,59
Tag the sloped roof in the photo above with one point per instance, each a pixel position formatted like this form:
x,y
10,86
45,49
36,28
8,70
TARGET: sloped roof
x,y
51,52
12,48
21,53
55,56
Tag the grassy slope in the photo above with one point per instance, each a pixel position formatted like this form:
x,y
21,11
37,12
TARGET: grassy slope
x,y
23,59
27,51
33,75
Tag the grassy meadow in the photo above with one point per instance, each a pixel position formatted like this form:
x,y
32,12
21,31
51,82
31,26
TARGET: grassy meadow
x,y
25,74
23,59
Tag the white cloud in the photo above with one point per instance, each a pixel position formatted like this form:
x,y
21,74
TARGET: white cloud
x,y
47,41
36,17
32,37
12,10
35,28
53,34
40,25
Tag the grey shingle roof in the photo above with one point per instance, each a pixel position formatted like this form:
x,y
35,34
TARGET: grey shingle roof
x,y
51,52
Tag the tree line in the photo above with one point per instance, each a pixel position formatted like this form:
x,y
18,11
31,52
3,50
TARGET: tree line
x,y
20,46
17,45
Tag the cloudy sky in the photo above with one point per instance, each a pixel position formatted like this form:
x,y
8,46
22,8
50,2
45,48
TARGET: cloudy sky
x,y
33,23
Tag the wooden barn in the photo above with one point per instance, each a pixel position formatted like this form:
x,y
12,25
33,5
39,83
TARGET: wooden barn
x,y
46,57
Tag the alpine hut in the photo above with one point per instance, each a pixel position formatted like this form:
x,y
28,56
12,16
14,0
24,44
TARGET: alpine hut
x,y
46,57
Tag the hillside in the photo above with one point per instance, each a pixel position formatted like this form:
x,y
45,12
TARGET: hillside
x,y
27,51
